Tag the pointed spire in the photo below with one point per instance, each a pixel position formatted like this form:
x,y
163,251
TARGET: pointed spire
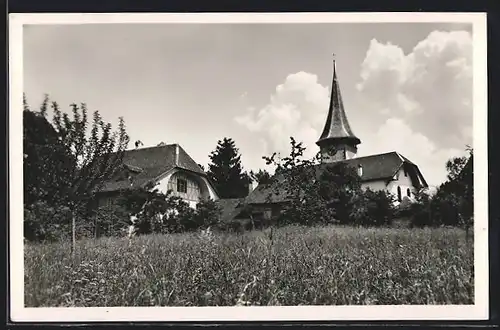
x,y
337,127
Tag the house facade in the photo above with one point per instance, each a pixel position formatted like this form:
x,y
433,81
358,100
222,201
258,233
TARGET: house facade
x,y
168,166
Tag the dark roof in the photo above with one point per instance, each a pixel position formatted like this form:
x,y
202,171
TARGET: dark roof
x,y
375,167
147,164
268,193
229,207
337,126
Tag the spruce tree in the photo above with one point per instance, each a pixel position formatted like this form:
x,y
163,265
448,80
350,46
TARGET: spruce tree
x,y
226,171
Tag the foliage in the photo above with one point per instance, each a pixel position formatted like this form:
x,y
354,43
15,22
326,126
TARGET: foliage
x,y
72,157
207,214
292,265
44,222
314,193
452,204
110,220
340,185
160,212
97,155
262,176
226,172
373,208
47,163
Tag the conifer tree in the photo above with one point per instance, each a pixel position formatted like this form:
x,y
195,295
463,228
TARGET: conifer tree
x,y
226,171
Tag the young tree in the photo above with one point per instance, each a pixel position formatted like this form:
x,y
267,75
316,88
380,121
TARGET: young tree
x,y
95,152
226,171
314,193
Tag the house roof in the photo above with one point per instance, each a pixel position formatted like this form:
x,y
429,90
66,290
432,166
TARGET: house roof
x,y
337,126
229,207
375,167
147,164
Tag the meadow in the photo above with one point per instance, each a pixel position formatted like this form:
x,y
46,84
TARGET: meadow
x,y
286,266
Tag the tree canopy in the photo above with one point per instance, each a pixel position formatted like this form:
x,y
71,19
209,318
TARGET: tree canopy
x,y
226,172
66,162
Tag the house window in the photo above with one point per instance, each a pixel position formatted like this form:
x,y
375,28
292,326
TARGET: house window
x,y
408,192
399,194
406,173
182,185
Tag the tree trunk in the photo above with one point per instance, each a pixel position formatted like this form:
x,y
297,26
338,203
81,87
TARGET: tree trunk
x,y
467,232
73,233
95,228
252,222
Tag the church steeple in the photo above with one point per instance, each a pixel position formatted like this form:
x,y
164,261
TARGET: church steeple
x,y
337,134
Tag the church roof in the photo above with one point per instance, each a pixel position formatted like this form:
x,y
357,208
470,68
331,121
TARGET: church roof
x,y
337,126
147,164
375,168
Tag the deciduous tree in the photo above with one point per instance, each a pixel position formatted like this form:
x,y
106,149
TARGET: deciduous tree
x,y
262,176
92,153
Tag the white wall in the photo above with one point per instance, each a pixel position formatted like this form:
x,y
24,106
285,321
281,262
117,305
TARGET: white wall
x,y
402,181
169,181
212,194
374,185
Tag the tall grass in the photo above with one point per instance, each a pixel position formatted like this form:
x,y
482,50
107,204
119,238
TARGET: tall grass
x,y
287,266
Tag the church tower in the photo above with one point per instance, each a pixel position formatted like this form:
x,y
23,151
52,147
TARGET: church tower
x,y
337,142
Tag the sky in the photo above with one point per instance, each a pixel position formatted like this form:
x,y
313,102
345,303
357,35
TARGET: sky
x,y
406,87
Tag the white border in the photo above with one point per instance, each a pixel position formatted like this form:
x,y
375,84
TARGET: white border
x,y
303,313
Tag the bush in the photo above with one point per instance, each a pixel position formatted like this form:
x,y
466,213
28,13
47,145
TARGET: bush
x,y
441,209
164,213
207,214
373,208
43,222
110,220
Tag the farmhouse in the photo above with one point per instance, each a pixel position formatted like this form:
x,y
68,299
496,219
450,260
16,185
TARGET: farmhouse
x,y
167,165
389,171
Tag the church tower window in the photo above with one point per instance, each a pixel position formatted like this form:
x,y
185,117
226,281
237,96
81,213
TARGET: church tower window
x,y
408,192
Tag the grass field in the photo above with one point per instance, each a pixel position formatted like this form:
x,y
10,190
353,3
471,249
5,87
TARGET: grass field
x,y
290,266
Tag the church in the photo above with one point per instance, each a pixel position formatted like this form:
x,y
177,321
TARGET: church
x,y
389,171
171,167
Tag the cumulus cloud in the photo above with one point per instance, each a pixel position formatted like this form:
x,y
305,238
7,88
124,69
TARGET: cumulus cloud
x,y
396,135
420,104
296,108
425,97
431,87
